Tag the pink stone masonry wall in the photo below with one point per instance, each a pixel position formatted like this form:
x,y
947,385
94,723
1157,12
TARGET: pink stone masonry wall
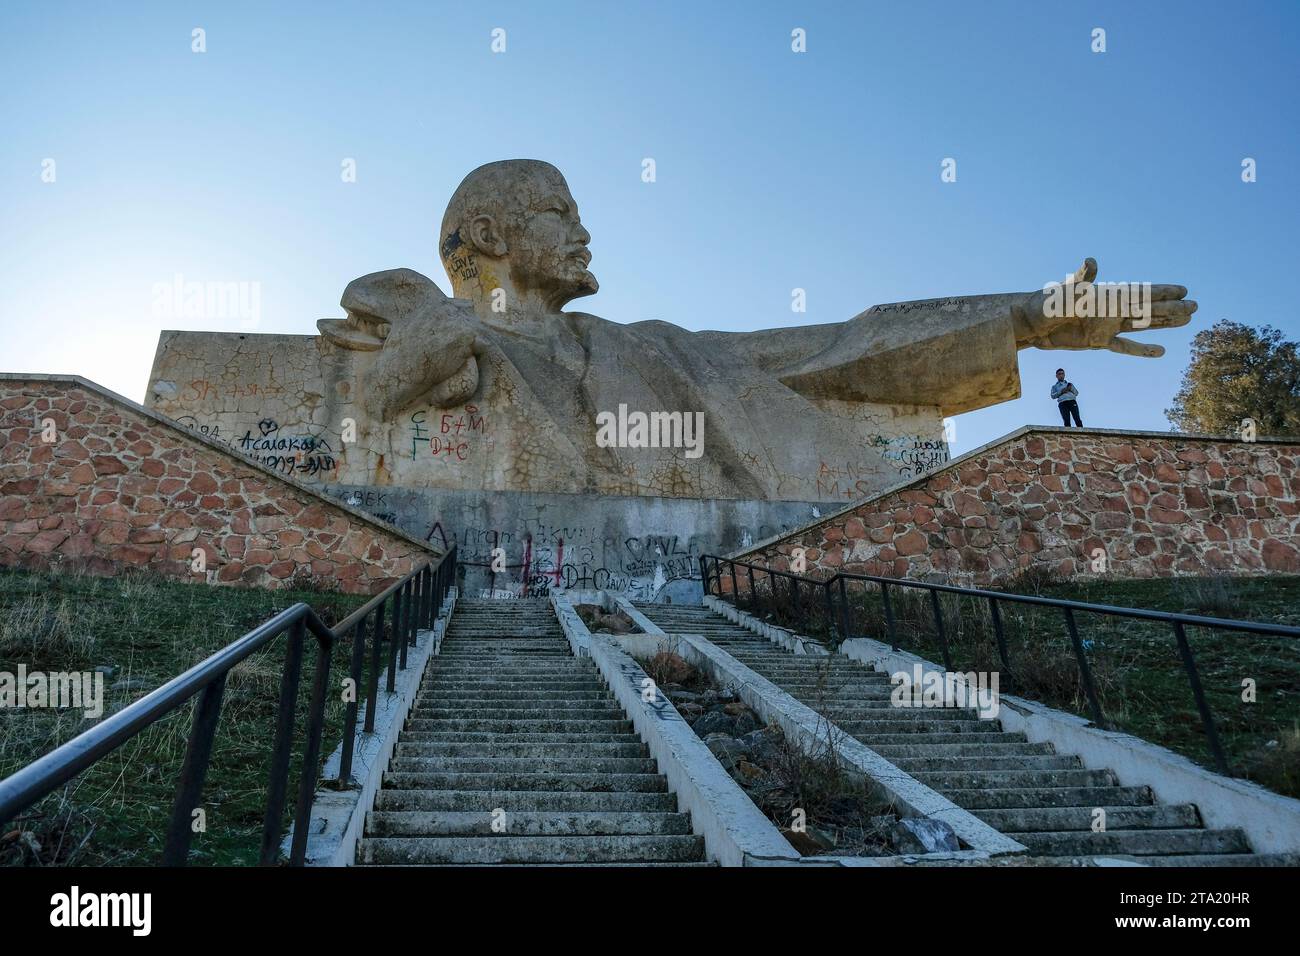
x,y
1150,505
120,489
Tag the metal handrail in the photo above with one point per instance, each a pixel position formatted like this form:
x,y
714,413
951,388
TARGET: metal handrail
x,y
417,600
1179,622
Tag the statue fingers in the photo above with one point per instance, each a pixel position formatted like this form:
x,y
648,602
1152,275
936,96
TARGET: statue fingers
x,y
1172,308
1140,349
1161,292
1168,314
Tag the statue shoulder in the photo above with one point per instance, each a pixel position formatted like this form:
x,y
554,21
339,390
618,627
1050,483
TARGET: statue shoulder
x,y
648,328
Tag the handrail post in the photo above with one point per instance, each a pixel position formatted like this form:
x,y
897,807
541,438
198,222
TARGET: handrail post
x,y
408,606
889,616
735,592
282,748
938,626
830,606
794,595
408,615
189,789
427,622
435,594
311,752
1085,671
844,610
1000,636
749,568
417,608
350,713
376,650
413,615
397,644
1211,733
422,593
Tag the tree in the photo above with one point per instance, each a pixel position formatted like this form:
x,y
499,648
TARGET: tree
x,y
1239,372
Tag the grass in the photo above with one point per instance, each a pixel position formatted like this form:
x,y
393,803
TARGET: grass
x,y
837,806
148,630
1140,680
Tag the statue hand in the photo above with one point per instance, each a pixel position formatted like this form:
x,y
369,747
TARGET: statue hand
x,y
1080,314
428,340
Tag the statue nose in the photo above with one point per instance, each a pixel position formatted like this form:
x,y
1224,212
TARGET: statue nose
x,y
583,236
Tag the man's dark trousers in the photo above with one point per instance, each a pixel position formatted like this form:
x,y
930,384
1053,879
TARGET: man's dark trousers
x,y
1067,409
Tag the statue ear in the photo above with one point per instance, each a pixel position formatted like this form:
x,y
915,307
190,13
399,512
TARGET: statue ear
x,y
485,236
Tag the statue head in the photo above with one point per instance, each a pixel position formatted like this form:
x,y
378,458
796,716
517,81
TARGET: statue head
x,y
513,225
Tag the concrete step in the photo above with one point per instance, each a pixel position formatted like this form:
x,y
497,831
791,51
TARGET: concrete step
x,y
785,661
903,723
869,709
467,633
526,849
506,719
418,748
842,680
540,643
523,726
518,686
522,766
1024,820
520,710
840,701
986,762
638,864
525,801
1132,842
491,738
1217,859
1028,791
846,692
993,748
943,781
522,823
511,639
515,632
975,736
509,676
505,657
437,694
1105,796
502,665
590,782
541,648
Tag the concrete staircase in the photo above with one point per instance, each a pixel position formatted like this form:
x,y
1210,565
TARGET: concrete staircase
x,y
1034,795
509,727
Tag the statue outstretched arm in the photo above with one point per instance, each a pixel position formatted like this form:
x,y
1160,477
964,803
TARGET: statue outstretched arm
x,y
957,353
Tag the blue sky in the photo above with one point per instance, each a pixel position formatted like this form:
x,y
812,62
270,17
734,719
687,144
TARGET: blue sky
x,y
775,170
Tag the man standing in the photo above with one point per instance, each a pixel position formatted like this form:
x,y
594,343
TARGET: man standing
x,y
1067,399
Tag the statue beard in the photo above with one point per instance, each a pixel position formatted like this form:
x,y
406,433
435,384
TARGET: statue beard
x,y
586,284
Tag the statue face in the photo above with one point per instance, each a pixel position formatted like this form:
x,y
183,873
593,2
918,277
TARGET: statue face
x,y
547,244
515,223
